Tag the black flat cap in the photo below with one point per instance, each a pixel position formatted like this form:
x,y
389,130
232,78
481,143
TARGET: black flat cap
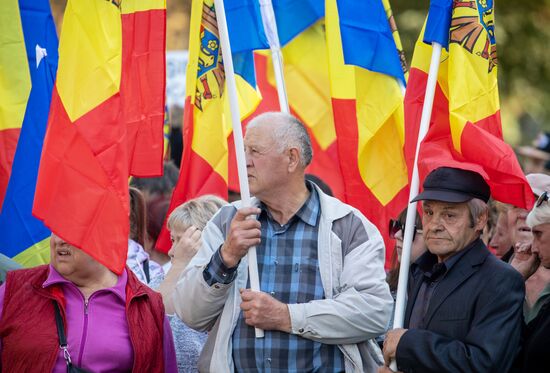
x,y
448,184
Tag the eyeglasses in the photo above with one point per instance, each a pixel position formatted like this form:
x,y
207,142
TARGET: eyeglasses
x,y
396,226
543,197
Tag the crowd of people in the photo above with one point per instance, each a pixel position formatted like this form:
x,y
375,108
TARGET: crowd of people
x,y
478,294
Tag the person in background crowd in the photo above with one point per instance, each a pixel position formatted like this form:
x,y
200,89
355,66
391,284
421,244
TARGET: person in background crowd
x,y
185,224
112,323
502,240
138,259
323,292
534,355
6,265
464,307
397,230
158,187
536,156
536,285
157,192
156,213
490,228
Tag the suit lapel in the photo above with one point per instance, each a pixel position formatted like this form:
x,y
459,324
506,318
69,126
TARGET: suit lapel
x,y
460,272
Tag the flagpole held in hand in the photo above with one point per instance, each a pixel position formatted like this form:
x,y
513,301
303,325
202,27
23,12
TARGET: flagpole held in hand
x,y
400,303
238,138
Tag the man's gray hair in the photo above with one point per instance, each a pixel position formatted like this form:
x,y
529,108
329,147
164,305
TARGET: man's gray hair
x,y
290,133
477,208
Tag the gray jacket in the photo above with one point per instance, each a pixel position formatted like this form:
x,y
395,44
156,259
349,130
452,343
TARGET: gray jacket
x,y
351,263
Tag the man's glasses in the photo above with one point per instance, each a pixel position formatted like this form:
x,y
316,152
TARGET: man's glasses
x,y
396,226
543,197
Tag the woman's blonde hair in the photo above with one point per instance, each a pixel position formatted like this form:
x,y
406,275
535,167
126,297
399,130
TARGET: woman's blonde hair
x,y
195,212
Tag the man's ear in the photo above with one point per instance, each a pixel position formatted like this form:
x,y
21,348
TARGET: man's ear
x,y
481,221
293,159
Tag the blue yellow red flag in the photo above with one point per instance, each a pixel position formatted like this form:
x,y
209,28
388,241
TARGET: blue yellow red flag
x,y
368,111
377,51
25,238
465,128
15,86
207,120
105,123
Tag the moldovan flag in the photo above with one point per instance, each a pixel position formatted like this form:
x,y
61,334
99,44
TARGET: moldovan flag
x,y
301,29
15,86
25,238
207,117
104,105
308,89
465,128
367,101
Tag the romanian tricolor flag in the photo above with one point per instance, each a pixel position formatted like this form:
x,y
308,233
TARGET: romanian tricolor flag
x,y
25,238
367,101
15,86
308,90
465,128
301,31
207,117
105,123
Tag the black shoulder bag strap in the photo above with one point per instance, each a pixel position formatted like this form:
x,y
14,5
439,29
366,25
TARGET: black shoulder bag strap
x,y
63,341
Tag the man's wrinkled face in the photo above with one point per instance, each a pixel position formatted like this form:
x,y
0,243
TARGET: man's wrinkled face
x,y
502,237
266,164
448,228
541,243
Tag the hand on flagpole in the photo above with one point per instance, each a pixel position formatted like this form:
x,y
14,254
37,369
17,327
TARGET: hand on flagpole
x,y
244,233
390,345
263,311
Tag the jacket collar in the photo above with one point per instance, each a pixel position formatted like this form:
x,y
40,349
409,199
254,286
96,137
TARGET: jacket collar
x,y
331,208
54,278
466,265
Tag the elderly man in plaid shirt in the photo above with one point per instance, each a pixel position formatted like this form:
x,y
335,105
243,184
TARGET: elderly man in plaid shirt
x,y
323,292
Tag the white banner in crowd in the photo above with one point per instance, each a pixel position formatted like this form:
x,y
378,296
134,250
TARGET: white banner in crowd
x,y
176,64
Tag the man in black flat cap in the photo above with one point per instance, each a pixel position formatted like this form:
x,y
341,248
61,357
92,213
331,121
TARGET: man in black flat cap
x,y
465,306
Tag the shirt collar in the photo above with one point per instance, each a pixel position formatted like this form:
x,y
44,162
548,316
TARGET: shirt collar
x,y
427,262
309,212
119,289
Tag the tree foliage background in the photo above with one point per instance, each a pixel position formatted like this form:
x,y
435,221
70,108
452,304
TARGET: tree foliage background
x,y
523,38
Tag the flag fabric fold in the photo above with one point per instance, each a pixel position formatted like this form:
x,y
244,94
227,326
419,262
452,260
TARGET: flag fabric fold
x,y
368,114
25,238
207,120
15,86
465,128
143,83
307,85
89,149
378,50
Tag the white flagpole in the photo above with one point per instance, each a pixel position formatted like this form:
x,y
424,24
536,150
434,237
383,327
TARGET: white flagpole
x,y
414,187
231,86
270,27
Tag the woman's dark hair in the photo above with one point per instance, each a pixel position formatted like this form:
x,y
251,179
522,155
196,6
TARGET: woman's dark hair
x,y
393,274
137,216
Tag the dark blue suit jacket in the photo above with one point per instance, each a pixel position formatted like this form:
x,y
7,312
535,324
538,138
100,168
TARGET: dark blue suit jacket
x,y
474,319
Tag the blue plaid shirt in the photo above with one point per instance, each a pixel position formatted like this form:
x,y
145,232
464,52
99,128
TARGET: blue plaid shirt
x,y
289,271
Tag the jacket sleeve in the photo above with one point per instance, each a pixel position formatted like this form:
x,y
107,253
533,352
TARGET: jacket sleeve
x,y
492,339
197,303
361,306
